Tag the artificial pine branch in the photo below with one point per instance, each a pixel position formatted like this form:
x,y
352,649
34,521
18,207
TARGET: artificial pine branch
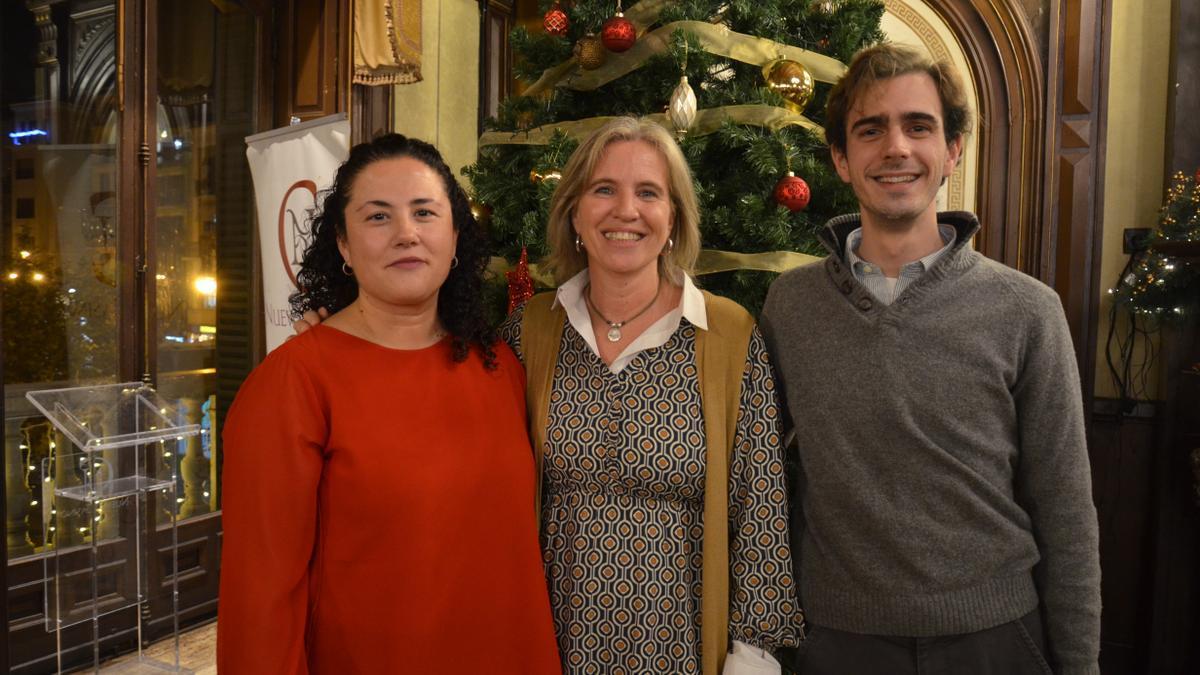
x,y
735,169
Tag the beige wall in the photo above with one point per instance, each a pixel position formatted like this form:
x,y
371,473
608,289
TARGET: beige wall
x,y
1133,171
443,107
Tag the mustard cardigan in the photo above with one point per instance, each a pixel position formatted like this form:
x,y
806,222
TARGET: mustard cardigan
x,y
721,353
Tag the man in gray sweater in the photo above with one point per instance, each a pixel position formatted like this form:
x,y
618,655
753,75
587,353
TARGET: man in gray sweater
x,y
943,516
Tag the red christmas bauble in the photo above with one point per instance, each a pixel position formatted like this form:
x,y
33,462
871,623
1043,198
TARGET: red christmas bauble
x,y
555,22
792,192
618,33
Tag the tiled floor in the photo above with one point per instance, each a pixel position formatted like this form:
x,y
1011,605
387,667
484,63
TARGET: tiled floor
x,y
197,654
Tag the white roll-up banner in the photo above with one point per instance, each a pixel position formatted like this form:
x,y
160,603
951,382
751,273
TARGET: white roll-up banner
x,y
290,167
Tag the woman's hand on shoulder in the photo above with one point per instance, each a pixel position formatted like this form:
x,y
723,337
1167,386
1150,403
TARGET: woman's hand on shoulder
x,y
308,320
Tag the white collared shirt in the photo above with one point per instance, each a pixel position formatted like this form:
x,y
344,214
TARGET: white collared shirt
x,y
691,307
886,289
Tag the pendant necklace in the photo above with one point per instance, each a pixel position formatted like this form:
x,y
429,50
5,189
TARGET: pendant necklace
x,y
614,327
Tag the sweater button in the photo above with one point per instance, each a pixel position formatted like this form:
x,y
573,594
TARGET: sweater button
x,y
865,304
846,287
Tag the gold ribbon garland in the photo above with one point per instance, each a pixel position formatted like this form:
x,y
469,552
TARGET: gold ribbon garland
x,y
707,122
710,261
715,39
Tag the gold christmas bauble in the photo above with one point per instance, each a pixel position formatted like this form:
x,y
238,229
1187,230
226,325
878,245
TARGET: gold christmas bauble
x,y
791,80
590,51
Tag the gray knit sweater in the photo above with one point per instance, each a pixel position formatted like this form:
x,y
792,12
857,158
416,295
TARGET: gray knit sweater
x,y
943,484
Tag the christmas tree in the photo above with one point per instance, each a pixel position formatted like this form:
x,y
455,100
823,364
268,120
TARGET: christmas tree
x,y
748,114
1164,282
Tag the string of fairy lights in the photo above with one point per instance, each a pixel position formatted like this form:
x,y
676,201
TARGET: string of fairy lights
x,y
1160,282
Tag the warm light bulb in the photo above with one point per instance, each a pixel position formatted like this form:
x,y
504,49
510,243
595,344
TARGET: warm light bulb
x,y
25,254
38,276
205,285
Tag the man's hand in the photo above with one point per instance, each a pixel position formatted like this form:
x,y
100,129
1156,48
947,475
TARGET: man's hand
x,y
309,320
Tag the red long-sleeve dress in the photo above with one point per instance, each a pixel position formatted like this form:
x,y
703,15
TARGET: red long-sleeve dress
x,y
378,515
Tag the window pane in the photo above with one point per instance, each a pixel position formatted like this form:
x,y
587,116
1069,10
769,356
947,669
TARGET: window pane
x,y
59,231
206,66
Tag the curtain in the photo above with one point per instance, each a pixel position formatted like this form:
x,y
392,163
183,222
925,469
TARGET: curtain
x,y
387,41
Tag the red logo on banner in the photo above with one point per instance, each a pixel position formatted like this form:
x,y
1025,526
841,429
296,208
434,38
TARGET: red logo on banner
x,y
295,228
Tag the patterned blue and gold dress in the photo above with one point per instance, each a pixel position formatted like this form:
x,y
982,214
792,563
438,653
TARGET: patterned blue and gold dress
x,y
623,498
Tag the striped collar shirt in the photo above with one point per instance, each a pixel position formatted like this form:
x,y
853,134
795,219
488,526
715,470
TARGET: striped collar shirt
x,y
887,289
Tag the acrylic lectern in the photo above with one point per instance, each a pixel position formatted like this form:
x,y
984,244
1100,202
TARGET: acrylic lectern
x,y
109,505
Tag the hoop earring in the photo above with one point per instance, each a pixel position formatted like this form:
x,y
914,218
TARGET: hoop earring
x,y
347,270
453,262
578,243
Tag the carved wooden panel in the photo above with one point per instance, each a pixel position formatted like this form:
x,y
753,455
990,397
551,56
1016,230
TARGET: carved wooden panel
x,y
1076,171
1124,463
1076,119
1079,57
312,77
198,558
1002,52
31,647
1174,617
1173,622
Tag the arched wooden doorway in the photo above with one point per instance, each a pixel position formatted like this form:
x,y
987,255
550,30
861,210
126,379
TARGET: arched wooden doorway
x,y
1006,72
1041,90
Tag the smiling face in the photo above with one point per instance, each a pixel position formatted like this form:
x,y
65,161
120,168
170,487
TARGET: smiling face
x,y
624,214
400,235
896,152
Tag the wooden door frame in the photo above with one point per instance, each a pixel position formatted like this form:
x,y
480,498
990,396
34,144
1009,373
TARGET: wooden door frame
x,y
1041,127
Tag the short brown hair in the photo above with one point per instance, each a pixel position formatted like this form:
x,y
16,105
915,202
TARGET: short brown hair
x,y
883,62
564,261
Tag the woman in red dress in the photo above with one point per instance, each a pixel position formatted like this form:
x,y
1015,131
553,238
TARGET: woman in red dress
x,y
378,481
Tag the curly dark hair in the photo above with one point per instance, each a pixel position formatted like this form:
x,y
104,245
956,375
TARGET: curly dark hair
x,y
460,301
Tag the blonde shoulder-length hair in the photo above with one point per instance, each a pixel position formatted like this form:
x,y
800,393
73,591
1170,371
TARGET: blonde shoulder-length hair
x,y
564,260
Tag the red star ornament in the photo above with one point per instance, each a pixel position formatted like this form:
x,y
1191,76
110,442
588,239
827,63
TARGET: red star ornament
x,y
520,284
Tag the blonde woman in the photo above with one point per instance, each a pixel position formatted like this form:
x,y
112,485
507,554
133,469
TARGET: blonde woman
x,y
654,417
